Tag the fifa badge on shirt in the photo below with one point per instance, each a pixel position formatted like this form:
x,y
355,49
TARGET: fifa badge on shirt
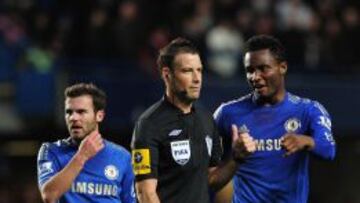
x,y
141,161
292,125
209,144
111,172
180,151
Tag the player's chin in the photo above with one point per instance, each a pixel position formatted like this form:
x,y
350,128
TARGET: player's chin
x,y
195,93
263,93
77,135
194,96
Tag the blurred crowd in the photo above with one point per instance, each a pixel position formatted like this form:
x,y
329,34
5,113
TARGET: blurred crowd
x,y
320,35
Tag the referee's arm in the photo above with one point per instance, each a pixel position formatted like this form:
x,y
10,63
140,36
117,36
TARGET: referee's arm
x,y
242,146
219,176
146,191
144,154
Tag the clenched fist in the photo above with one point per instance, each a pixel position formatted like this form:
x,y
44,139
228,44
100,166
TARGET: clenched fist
x,y
242,144
294,142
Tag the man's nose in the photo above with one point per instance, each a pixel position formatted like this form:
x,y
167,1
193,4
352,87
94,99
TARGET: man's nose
x,y
74,117
196,76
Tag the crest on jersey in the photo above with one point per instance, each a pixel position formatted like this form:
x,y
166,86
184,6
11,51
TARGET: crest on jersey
x,y
209,144
180,151
111,172
292,125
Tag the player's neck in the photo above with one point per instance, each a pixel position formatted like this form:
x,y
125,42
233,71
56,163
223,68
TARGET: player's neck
x,y
273,100
279,97
77,140
185,107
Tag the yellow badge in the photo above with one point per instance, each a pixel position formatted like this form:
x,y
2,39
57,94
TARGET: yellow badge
x,y
141,161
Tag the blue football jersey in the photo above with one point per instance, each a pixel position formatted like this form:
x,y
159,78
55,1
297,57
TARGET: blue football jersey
x,y
106,177
267,175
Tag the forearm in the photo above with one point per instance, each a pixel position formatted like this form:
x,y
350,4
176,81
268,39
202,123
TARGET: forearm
x,y
55,187
146,191
148,197
224,195
242,145
222,174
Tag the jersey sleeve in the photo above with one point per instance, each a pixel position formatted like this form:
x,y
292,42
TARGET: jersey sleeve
x,y
145,152
216,149
222,125
219,120
128,189
47,165
320,130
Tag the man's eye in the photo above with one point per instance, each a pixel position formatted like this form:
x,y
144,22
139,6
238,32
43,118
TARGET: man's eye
x,y
249,70
81,111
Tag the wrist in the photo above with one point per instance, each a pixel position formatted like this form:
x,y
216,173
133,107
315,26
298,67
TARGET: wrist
x,y
310,143
80,159
235,163
238,159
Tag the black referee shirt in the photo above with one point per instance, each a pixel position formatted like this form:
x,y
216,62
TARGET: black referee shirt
x,y
176,149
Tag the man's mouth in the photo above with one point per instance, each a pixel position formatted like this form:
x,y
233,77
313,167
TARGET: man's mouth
x,y
76,127
259,87
195,88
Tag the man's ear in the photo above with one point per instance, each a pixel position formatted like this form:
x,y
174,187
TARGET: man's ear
x,y
100,115
283,68
165,73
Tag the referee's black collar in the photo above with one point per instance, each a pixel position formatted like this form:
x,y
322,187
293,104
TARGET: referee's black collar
x,y
166,101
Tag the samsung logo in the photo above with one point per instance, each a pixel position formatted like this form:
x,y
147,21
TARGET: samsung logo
x,y
268,144
94,188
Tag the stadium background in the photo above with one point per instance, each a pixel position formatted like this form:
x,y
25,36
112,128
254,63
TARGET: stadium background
x,y
48,44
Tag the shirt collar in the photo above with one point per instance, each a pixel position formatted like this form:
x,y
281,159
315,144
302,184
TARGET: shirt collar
x,y
255,98
166,101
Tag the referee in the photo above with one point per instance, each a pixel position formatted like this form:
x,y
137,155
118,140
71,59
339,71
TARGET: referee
x,y
176,148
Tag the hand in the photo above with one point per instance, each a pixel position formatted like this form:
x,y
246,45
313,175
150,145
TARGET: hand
x,y
242,144
294,142
90,146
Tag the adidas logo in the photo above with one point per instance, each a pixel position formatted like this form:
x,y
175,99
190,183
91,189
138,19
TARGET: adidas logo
x,y
243,129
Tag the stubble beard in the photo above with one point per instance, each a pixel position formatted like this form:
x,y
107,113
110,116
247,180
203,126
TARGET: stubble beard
x,y
84,132
185,98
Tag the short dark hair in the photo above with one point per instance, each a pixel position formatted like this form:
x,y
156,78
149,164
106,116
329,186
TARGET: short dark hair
x,y
260,42
167,54
98,96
